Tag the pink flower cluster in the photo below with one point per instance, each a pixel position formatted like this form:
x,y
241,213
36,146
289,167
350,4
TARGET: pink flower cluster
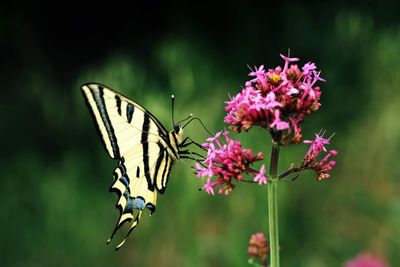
x,y
366,260
258,246
276,99
228,162
310,161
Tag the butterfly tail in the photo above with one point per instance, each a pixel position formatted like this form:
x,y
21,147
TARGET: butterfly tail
x,y
134,224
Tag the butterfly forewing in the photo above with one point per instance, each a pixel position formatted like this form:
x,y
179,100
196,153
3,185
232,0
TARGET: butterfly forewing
x,y
120,121
142,146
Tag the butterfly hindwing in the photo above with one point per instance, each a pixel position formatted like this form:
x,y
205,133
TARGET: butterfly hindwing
x,y
140,143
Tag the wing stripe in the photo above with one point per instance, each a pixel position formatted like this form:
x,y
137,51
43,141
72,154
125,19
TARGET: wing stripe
x,y
174,146
98,96
122,165
124,179
169,144
145,144
158,163
138,172
118,99
165,181
167,163
129,112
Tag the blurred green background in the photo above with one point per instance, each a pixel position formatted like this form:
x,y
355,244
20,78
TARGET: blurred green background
x,y
55,206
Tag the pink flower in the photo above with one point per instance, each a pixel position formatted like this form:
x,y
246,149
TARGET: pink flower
x,y
308,68
260,178
270,102
260,75
258,246
287,61
293,135
310,161
276,99
208,187
278,123
259,72
317,145
227,161
366,260
292,91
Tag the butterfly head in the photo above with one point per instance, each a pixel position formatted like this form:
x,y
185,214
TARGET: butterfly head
x,y
178,133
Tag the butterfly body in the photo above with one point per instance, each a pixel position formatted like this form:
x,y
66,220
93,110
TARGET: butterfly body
x,y
144,149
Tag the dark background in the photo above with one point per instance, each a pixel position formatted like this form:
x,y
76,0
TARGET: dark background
x,y
56,210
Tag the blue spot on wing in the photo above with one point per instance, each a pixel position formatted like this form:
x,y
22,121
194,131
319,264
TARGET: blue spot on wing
x,y
129,205
138,203
134,203
126,194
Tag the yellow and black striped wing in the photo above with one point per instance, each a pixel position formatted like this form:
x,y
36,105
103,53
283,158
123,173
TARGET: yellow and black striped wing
x,y
139,142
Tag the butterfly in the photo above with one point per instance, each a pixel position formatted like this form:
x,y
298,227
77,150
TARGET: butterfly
x,y
145,151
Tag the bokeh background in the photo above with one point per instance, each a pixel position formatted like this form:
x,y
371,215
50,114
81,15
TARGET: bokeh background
x,y
55,206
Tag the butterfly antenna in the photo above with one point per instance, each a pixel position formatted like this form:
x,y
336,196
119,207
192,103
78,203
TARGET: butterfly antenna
x,y
173,105
185,119
202,124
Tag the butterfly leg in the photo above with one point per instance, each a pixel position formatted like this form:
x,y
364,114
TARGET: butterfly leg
x,y
187,152
192,142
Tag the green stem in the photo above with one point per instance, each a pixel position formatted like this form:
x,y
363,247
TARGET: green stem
x,y
273,206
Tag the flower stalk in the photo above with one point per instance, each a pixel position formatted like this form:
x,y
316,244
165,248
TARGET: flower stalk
x,y
273,206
